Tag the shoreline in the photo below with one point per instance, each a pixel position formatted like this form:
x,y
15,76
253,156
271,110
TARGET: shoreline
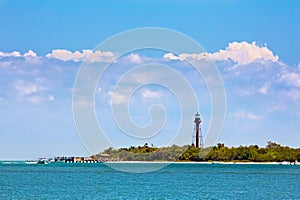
x,y
211,163
168,162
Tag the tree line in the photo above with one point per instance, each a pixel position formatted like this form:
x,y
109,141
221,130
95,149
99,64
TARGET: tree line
x,y
273,152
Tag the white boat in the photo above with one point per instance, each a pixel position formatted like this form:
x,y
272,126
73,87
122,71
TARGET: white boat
x,y
285,163
42,161
31,162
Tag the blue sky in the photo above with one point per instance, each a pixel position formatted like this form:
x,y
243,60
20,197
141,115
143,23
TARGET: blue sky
x,y
254,44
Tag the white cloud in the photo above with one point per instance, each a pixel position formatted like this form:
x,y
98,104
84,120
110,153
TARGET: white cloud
x,y
51,98
5,64
244,53
293,94
265,88
181,57
117,98
61,54
171,56
25,88
10,54
89,55
35,99
29,53
102,56
240,52
290,79
135,58
241,114
148,94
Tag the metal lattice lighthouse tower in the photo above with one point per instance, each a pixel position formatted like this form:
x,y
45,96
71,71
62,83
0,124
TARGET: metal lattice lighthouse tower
x,y
198,132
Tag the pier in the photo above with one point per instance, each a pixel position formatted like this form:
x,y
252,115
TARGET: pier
x,y
73,159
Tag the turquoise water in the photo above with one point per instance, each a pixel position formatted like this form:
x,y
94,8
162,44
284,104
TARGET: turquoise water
x,y
177,181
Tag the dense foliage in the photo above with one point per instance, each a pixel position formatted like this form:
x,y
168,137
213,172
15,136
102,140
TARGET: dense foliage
x,y
146,153
273,152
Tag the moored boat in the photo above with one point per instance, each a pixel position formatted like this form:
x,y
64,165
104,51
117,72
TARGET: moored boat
x,y
31,162
42,161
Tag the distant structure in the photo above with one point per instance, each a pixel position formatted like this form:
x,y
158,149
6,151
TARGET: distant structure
x,y
197,132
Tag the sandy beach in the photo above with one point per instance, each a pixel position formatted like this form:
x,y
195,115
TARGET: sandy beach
x,y
213,162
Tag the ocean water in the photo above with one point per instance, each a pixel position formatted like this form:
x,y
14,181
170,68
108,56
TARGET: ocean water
x,y
176,181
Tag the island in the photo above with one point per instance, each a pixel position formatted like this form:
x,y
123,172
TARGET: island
x,y
273,152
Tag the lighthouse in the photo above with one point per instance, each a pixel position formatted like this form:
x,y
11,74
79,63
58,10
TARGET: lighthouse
x,y
197,131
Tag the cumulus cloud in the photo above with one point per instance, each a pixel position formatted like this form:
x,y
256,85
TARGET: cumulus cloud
x,y
61,54
10,54
244,53
29,53
135,58
240,52
181,57
290,79
171,56
88,55
241,114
